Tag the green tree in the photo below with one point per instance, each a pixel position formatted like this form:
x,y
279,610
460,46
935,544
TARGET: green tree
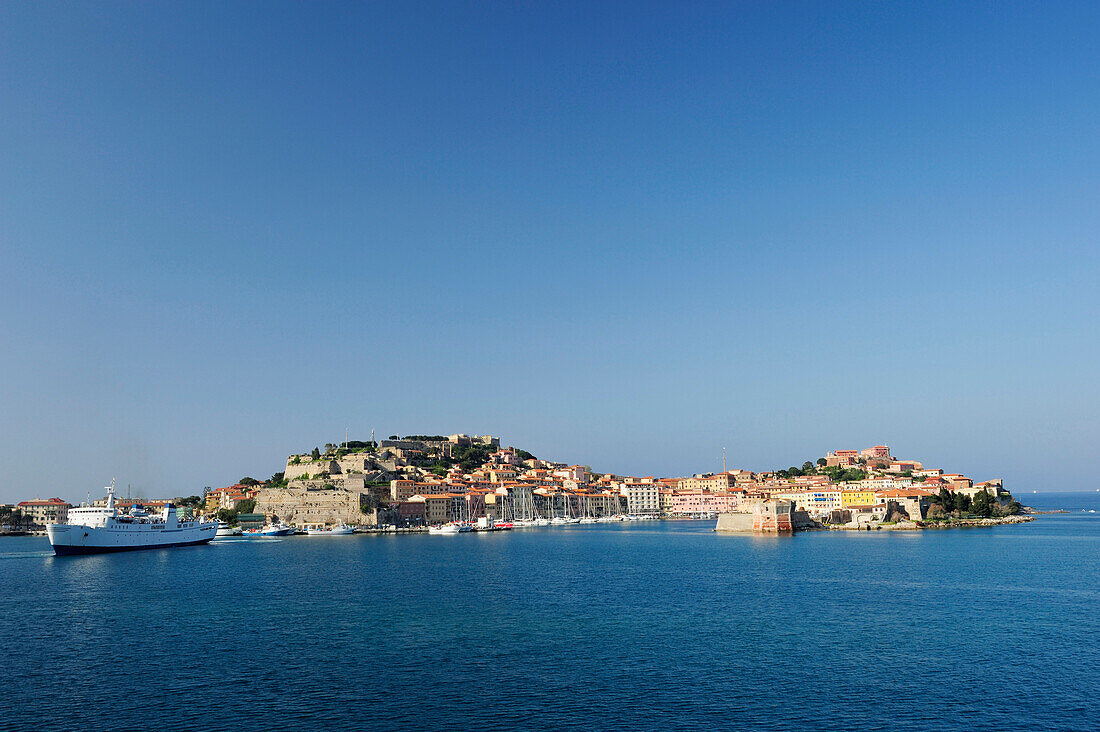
x,y
316,454
807,466
962,503
248,481
945,499
982,505
822,462
246,506
227,515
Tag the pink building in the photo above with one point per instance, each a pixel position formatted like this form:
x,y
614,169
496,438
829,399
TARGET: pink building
x,y
878,451
691,502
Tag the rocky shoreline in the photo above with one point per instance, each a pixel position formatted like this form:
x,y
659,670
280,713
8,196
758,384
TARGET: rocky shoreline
x,y
923,525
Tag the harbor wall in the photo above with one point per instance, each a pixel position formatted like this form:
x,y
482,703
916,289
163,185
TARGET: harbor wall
x,y
734,522
302,507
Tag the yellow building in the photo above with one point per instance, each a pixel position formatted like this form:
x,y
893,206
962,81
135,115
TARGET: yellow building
x,y
858,497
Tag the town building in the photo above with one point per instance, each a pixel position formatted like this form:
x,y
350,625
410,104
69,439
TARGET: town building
x,y
707,482
642,495
45,510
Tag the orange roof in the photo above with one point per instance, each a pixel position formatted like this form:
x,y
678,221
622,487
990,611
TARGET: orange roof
x,y
44,502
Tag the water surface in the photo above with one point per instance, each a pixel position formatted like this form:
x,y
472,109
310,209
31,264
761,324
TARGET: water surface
x,y
646,625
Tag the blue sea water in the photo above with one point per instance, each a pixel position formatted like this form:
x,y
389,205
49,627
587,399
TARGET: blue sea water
x,y
639,626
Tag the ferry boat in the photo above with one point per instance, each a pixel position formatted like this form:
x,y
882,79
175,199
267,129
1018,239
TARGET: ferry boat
x,y
98,529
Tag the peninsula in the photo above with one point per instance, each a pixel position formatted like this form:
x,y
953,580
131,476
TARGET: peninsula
x,y
416,481
420,480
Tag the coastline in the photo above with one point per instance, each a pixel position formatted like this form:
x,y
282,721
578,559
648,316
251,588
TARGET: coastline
x,y
929,525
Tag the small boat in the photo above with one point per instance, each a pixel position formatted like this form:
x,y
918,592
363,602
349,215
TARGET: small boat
x,y
445,529
224,529
587,520
338,530
279,529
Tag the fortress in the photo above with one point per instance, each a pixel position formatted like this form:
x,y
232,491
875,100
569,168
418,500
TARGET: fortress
x,y
347,485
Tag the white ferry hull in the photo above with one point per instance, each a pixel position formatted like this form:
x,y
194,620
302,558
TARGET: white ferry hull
x,y
74,539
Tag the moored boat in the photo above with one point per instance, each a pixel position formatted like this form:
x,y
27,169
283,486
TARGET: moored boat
x,y
338,530
224,529
279,529
445,529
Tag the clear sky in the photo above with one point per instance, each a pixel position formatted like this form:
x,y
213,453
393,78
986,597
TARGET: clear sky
x,y
626,235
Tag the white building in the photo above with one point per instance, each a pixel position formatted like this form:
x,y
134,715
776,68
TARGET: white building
x,y
642,495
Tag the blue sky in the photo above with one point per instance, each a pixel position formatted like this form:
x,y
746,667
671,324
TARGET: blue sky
x,y
626,235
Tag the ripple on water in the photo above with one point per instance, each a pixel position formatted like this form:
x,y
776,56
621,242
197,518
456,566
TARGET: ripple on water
x,y
666,626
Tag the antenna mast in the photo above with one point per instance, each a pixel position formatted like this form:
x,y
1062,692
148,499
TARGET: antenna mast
x,y
724,460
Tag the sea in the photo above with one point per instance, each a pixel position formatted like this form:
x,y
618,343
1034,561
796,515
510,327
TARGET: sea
x,y
655,625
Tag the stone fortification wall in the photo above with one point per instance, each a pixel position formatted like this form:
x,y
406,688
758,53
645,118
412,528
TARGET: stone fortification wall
x,y
302,507
740,522
359,462
310,467
402,444
802,520
353,483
